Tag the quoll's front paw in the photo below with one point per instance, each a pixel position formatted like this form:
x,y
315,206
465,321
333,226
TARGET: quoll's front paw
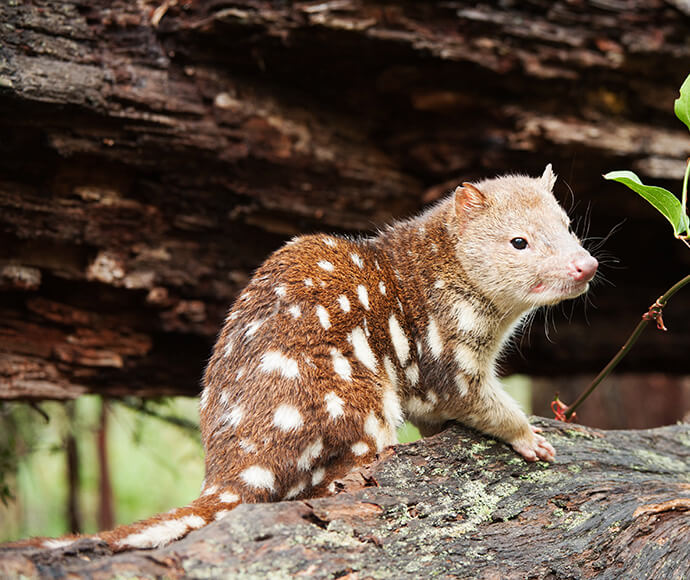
x,y
534,447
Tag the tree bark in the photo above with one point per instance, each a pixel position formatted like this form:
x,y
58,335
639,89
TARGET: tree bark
x,y
154,153
614,505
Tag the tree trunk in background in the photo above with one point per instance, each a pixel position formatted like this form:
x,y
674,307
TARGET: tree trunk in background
x,y
74,519
614,505
153,154
106,516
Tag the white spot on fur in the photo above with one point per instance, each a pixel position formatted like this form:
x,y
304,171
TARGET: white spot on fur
x,y
258,477
160,534
329,242
382,287
210,491
227,497
360,448
203,400
326,265
399,338
55,544
247,446
331,487
233,417
412,374
376,263
221,514
323,317
240,372
310,454
295,311
381,436
334,405
287,418
433,338
295,490
253,326
461,384
440,284
195,522
227,351
391,372
340,365
362,349
466,359
363,296
392,412
418,407
274,360
308,282
357,260
344,303
365,325
465,316
281,290
317,476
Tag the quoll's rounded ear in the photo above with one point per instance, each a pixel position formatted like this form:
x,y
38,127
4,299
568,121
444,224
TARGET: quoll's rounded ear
x,y
548,178
468,199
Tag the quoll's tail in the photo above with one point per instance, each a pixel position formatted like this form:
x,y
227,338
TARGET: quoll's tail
x,y
155,531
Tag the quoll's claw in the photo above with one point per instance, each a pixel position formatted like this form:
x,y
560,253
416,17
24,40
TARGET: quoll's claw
x,y
535,449
544,449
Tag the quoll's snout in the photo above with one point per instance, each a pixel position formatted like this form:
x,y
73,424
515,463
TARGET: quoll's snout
x,y
583,268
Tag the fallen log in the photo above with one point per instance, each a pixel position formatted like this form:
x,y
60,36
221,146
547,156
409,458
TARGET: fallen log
x,y
614,504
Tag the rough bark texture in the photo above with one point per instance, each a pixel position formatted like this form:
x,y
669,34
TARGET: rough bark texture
x,y
153,153
614,505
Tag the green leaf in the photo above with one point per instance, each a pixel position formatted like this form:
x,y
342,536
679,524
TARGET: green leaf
x,y
681,106
662,199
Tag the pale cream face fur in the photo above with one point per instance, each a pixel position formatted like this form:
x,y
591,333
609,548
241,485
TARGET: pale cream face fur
x,y
520,279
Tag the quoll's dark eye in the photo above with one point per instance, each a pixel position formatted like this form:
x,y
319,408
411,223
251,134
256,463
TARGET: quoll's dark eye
x,y
519,243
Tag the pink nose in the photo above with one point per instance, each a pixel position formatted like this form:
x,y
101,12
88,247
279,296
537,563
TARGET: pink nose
x,y
583,268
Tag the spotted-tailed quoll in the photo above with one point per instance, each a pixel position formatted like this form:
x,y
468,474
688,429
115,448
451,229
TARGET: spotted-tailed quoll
x,y
335,341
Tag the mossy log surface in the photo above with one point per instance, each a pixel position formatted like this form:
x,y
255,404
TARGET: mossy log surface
x,y
615,504
153,153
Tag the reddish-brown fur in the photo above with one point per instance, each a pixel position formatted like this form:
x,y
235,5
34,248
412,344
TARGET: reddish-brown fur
x,y
304,384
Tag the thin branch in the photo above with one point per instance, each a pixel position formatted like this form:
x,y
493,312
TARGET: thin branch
x,y
654,313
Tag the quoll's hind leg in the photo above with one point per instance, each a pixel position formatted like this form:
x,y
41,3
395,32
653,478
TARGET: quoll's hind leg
x,y
345,446
283,459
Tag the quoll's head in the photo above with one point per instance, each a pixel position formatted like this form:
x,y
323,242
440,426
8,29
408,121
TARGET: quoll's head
x,y
515,242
